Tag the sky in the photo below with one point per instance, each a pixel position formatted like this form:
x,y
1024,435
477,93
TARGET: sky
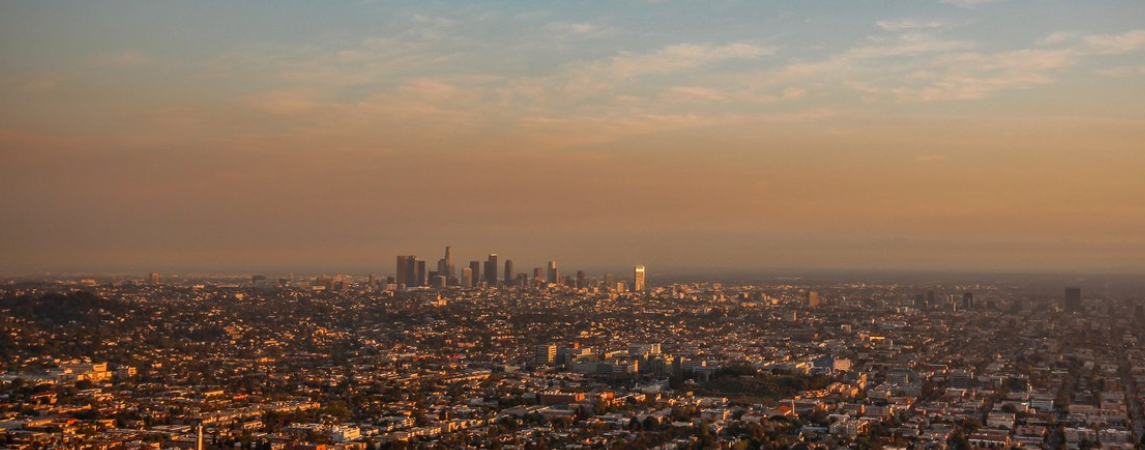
x,y
981,135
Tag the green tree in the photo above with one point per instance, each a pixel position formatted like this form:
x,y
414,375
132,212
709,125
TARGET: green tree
x,y
339,410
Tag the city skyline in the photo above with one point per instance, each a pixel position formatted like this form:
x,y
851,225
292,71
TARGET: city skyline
x,y
596,266
409,271
939,135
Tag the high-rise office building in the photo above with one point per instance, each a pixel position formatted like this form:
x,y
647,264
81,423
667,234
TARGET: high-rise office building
x,y
968,300
422,277
509,275
580,279
467,277
638,280
491,270
475,272
538,275
411,271
609,280
554,276
400,269
441,269
812,299
1073,299
450,269
405,269
153,278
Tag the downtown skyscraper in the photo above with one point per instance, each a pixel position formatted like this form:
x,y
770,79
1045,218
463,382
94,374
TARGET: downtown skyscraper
x,y
467,277
474,273
406,270
491,270
554,276
445,265
450,269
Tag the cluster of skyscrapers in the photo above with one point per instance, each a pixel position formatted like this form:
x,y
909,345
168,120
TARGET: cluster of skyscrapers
x,y
412,272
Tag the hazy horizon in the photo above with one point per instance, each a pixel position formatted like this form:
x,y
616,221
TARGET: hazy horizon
x,y
567,268
959,135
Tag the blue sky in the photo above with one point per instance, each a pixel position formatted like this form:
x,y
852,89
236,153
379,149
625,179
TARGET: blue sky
x,y
749,56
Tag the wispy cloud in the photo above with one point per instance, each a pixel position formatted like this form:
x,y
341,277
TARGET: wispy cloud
x,y
1060,37
972,75
608,79
910,24
1120,71
969,3
917,65
1116,43
910,44
679,57
578,29
380,88
698,92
